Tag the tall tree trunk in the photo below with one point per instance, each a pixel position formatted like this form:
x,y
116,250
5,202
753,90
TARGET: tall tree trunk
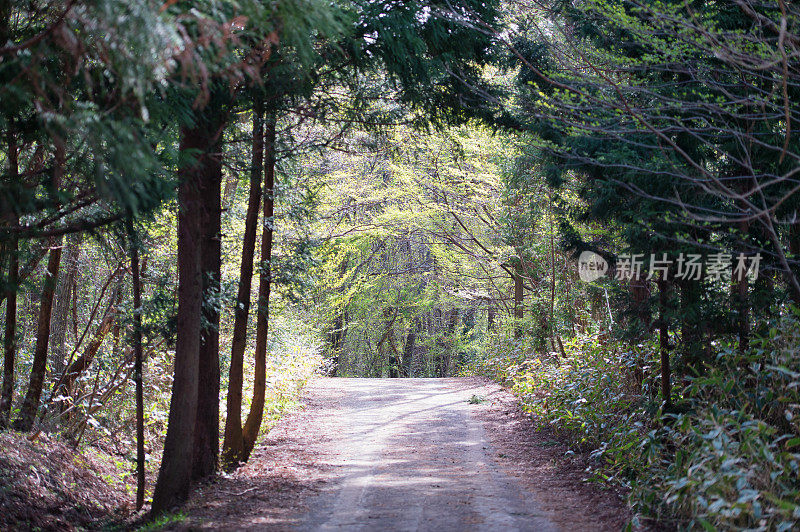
x,y
254,417
233,444
741,300
10,329
519,307
552,323
174,476
663,325
138,366
206,430
63,296
339,332
30,405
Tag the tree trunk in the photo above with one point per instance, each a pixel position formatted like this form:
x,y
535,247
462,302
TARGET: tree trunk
x,y
174,476
233,445
254,417
519,307
206,430
83,362
58,324
408,347
10,329
666,387
138,367
30,405
742,300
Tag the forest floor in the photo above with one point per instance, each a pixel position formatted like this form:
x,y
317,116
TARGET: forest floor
x,y
406,454
45,484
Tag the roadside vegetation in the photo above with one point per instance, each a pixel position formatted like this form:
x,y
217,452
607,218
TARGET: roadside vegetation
x,y
594,202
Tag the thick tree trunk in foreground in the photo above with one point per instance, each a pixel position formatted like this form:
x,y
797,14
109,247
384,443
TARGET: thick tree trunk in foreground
x,y
174,476
254,417
233,445
10,330
31,404
206,431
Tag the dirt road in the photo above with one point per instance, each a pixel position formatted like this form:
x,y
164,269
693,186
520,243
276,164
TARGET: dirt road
x,y
402,454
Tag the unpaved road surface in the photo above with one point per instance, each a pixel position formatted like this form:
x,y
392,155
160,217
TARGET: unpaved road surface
x,y
413,458
405,454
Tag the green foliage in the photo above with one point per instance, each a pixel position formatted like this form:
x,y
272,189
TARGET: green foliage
x,y
726,457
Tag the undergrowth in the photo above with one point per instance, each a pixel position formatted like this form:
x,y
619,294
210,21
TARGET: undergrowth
x,y
725,458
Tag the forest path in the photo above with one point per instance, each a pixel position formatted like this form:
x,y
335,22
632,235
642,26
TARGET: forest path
x,y
412,457
404,454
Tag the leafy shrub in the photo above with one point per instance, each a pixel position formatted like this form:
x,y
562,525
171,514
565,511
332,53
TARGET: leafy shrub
x,y
725,458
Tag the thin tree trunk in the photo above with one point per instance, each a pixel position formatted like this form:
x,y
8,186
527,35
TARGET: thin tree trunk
x,y
30,405
138,367
666,387
552,272
408,347
174,476
253,423
83,362
58,325
519,308
742,300
233,445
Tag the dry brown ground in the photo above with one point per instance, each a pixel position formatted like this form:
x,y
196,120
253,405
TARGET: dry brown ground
x,y
47,485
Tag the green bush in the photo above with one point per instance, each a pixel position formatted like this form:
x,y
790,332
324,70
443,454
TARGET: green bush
x,y
725,458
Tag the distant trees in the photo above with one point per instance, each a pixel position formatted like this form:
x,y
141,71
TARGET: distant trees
x,y
413,258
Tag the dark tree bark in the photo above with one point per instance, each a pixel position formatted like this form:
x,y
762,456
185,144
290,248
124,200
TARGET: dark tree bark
x,y
174,476
337,337
253,423
206,431
663,335
138,367
30,405
12,249
233,445
742,301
